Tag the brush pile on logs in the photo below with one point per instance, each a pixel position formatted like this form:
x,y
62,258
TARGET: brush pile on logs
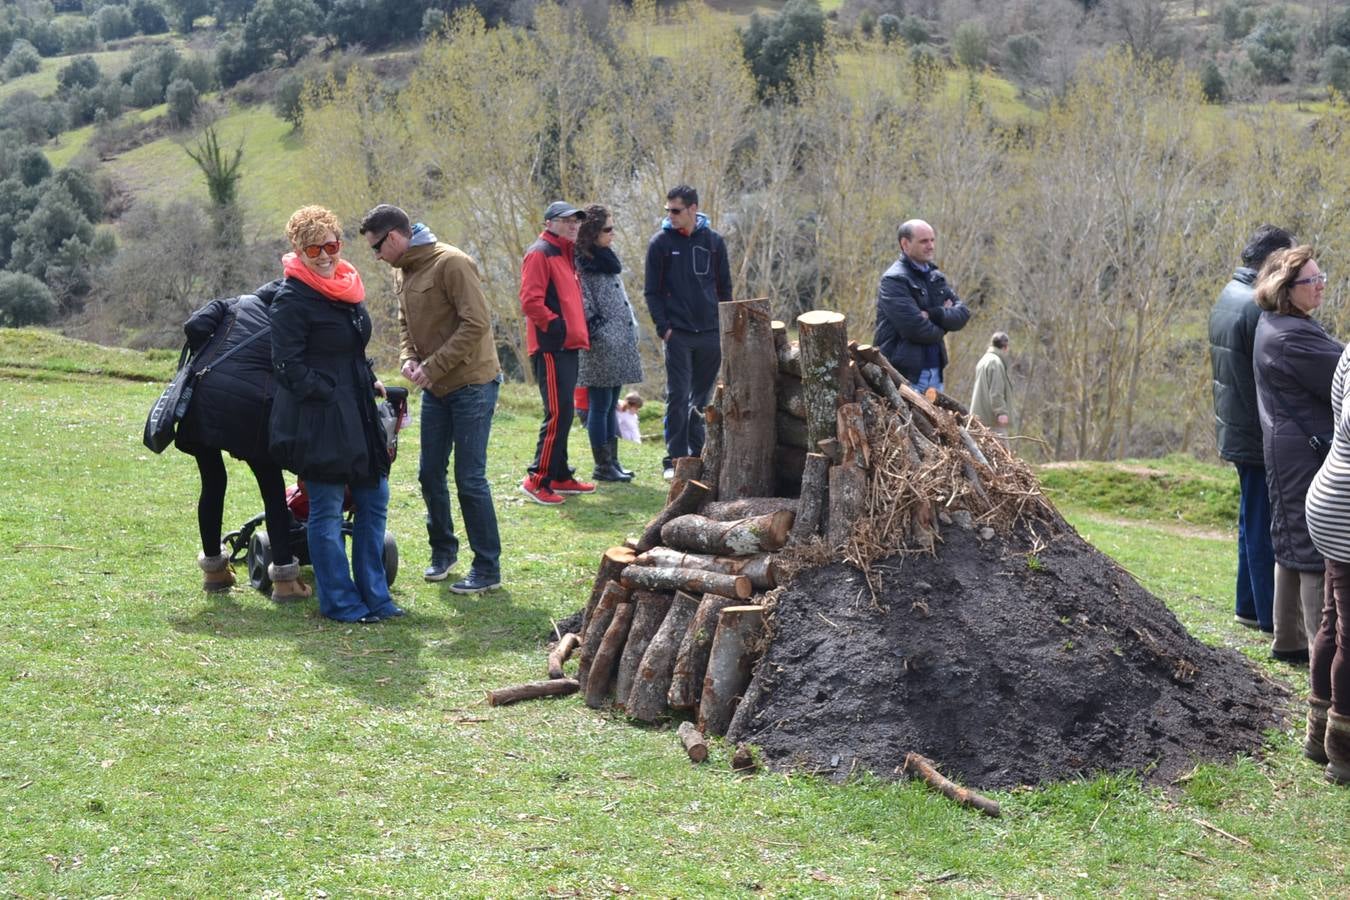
x,y
816,450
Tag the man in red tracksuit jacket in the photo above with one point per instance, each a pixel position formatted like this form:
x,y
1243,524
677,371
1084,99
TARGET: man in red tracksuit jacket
x,y
550,298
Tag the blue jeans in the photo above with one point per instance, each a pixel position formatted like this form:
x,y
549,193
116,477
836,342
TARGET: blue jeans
x,y
692,361
602,424
1256,554
347,595
458,424
929,378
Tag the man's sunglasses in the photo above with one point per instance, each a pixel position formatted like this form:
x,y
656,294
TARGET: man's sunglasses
x,y
331,248
380,243
675,210
608,229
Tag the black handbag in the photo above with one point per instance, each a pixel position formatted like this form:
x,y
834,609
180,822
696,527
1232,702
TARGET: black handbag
x,y
171,406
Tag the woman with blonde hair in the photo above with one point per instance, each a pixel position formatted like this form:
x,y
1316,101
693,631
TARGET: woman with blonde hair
x,y
1293,360
325,426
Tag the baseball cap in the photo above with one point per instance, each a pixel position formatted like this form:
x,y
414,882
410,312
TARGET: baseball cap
x,y
561,209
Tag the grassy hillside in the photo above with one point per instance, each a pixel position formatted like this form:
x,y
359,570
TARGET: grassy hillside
x,y
43,81
160,742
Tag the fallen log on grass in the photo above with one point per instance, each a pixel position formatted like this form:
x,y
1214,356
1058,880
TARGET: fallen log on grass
x,y
924,768
554,687
694,743
561,652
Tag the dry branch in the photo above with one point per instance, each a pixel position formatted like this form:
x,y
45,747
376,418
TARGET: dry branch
x,y
726,510
614,561
759,568
925,769
561,652
614,594
815,488
712,442
531,690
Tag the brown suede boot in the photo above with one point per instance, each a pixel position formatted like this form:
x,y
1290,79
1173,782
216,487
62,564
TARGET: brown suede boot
x,y
1314,740
1338,748
216,572
286,584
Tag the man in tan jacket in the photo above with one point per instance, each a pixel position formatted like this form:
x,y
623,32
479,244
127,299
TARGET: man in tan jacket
x,y
992,399
447,349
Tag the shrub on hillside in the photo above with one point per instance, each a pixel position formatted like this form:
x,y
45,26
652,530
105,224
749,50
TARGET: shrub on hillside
x,y
236,59
149,17
775,46
147,88
286,99
81,72
1271,46
1237,20
1339,33
77,35
196,69
1336,68
889,26
282,26
181,97
1022,56
24,301
187,12
114,23
915,31
36,119
1212,84
970,43
85,105
22,59
45,37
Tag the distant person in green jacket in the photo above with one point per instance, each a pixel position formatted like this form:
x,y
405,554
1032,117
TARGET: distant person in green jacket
x,y
992,399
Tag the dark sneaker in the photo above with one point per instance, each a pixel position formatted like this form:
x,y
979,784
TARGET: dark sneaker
x,y
1297,657
539,493
1246,622
439,570
476,584
572,486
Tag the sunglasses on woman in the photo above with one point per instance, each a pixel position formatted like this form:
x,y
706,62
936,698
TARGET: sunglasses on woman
x,y
331,248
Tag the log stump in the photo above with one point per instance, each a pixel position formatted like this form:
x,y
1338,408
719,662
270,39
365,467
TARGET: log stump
x,y
729,666
823,337
748,405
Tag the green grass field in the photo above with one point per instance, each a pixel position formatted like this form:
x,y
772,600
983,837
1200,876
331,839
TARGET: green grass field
x,y
161,742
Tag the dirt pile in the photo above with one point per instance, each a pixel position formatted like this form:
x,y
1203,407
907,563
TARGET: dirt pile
x,y
1005,666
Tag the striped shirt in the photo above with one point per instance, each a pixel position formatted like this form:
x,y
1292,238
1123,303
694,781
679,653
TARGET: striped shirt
x,y
1328,501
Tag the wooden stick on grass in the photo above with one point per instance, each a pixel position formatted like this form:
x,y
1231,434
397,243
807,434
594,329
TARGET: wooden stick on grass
x,y
924,768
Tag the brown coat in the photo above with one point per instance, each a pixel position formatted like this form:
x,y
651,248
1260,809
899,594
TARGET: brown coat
x,y
443,318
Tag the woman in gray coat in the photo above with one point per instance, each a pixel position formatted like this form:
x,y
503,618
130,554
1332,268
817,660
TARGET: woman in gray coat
x,y
612,360
1293,360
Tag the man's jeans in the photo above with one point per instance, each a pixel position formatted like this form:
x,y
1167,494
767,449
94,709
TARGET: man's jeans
x,y
341,597
929,378
459,423
1256,554
692,361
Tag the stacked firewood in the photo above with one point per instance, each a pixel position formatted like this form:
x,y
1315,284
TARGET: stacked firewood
x,y
815,450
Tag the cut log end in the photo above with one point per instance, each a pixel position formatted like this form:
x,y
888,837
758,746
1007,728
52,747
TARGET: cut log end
x,y
694,744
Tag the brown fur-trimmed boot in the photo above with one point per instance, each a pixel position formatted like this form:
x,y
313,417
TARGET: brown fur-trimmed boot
x,y
1338,748
1315,739
216,572
286,584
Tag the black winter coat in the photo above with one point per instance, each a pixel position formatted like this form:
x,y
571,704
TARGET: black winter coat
x,y
1293,360
902,333
324,423
686,277
232,399
1232,332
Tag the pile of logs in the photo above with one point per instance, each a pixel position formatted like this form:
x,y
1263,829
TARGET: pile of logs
x,y
812,446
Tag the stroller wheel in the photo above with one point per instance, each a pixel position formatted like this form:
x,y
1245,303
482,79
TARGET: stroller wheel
x,y
259,556
390,558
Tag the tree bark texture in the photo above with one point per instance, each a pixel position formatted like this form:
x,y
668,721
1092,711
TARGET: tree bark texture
x,y
729,665
647,701
791,396
848,499
823,337
811,506
760,567
601,675
748,374
691,497
757,534
687,469
613,562
561,652
614,594
712,442
726,510
691,660
554,687
654,578
650,611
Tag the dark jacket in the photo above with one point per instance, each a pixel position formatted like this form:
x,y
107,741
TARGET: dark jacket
x,y
550,297
324,422
902,333
232,399
686,277
1232,331
1293,361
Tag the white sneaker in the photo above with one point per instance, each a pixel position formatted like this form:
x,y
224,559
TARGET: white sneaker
x,y
669,473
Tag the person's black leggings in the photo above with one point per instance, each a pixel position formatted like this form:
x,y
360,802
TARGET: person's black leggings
x,y
211,503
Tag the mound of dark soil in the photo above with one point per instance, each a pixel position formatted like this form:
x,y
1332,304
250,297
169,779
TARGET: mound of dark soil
x,y
1004,667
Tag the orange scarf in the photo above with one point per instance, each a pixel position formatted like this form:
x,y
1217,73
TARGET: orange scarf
x,y
344,286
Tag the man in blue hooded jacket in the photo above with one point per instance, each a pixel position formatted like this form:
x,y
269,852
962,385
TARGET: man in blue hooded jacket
x,y
687,275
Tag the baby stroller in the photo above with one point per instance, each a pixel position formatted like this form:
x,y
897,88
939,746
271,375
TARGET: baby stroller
x,y
251,542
